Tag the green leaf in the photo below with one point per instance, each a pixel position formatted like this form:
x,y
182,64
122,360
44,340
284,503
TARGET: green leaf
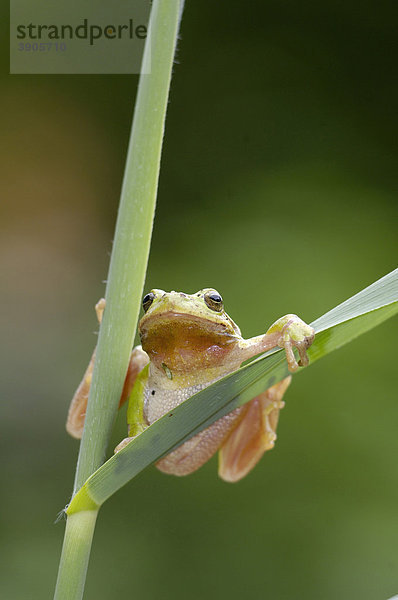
x,y
132,239
125,282
342,324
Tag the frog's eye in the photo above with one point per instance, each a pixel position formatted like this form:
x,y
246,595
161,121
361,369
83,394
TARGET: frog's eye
x,y
147,300
214,300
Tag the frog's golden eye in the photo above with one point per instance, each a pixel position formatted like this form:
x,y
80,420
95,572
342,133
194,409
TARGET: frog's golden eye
x,y
214,300
147,300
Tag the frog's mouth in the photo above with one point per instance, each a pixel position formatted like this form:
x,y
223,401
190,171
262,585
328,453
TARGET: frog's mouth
x,y
185,342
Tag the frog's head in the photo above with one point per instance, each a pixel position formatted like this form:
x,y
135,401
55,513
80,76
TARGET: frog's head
x,y
187,331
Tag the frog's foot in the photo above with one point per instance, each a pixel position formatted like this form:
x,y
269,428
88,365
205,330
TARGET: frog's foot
x,y
78,406
134,431
254,434
294,333
123,444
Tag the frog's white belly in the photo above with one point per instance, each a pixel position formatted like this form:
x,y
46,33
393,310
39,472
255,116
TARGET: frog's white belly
x,y
157,401
195,452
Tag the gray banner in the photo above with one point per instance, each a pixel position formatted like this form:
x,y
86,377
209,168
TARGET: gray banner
x,y
69,36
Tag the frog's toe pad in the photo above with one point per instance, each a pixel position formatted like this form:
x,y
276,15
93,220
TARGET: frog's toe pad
x,y
294,332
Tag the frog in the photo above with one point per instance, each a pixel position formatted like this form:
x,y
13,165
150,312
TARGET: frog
x,y
188,341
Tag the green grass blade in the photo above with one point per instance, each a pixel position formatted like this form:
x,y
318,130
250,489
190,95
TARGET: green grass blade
x,y
381,292
125,282
77,546
347,321
132,238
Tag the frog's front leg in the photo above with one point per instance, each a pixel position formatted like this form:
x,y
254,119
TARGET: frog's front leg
x,y
135,412
288,332
78,406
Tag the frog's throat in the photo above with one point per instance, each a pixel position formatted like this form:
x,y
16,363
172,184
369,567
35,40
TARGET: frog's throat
x,y
186,343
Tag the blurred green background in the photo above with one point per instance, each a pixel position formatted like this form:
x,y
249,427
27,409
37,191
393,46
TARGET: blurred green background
x,y
277,188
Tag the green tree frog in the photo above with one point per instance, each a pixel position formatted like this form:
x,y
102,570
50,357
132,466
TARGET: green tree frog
x,y
188,342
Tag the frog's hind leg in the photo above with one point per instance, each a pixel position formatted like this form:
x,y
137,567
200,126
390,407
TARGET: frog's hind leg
x,y
192,454
254,434
78,405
